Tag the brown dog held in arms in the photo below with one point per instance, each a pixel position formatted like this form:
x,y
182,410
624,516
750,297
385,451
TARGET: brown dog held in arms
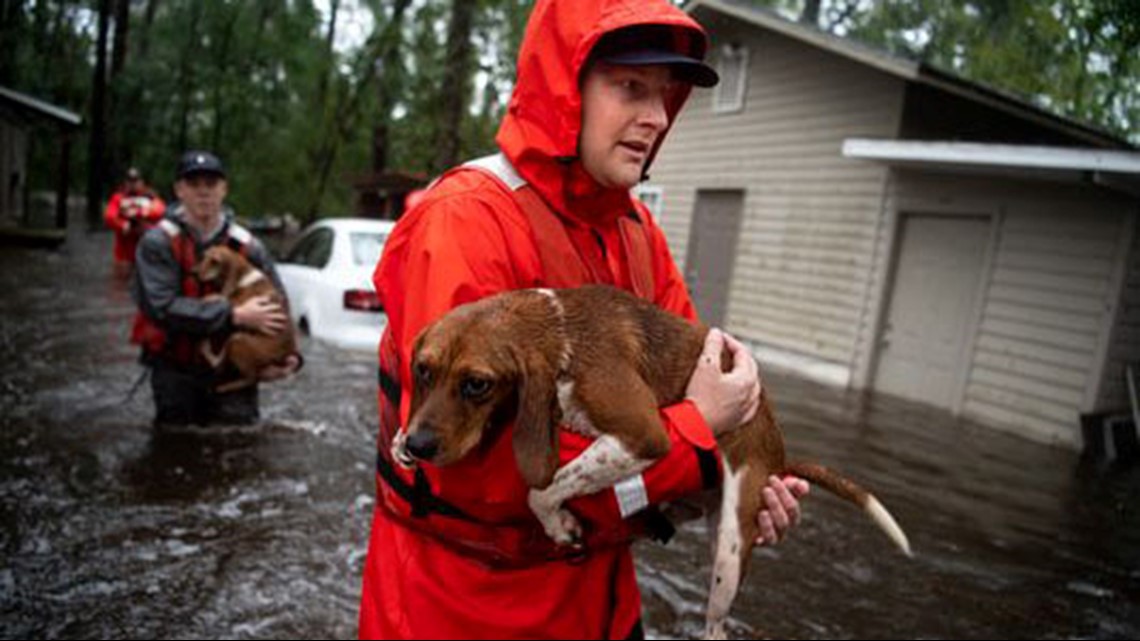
x,y
602,361
249,352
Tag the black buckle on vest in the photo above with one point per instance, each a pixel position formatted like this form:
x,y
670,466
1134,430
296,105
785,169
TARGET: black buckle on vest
x,y
658,526
390,388
418,496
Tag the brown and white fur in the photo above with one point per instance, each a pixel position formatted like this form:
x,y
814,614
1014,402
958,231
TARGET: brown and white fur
x,y
249,352
599,361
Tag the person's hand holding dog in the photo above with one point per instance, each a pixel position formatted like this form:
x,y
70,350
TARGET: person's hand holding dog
x,y
290,366
260,314
730,399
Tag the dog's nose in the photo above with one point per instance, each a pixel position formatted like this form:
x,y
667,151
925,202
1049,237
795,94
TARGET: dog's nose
x,y
422,445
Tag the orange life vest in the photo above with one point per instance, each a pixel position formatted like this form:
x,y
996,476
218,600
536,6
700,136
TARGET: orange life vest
x,y
406,494
151,335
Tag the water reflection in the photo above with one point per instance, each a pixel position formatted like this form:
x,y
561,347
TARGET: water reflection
x,y
108,529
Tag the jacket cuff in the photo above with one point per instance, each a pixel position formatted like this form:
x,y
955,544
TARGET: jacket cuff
x,y
691,425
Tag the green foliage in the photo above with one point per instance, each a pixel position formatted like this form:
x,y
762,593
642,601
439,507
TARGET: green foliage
x,y
1078,58
255,81
297,121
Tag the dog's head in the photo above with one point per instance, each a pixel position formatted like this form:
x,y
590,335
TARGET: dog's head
x,y
477,369
221,266
216,264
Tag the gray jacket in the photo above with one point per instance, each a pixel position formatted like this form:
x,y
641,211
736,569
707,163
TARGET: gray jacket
x,y
157,285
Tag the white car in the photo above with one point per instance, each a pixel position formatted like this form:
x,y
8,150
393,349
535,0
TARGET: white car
x,y
328,276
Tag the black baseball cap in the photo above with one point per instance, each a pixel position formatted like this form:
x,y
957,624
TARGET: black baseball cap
x,y
200,162
680,49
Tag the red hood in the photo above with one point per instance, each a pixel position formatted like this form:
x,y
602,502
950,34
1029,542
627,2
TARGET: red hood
x,y
539,133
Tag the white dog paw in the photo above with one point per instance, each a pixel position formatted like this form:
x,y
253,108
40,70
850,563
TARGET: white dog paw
x,y
559,524
716,630
564,528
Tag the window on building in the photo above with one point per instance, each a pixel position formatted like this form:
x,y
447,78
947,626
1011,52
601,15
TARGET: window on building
x,y
732,65
651,195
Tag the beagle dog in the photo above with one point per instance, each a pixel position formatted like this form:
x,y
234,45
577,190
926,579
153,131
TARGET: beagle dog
x,y
599,361
249,352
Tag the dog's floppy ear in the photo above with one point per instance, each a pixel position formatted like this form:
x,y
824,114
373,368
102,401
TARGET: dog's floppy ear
x,y
206,269
417,388
230,262
536,427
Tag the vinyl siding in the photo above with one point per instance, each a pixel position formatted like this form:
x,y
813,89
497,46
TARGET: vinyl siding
x,y
1049,293
1124,345
814,258
804,255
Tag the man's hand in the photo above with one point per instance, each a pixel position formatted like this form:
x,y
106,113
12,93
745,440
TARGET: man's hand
x,y
781,508
726,400
277,372
260,314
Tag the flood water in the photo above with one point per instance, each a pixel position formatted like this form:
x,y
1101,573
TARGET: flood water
x,y
111,530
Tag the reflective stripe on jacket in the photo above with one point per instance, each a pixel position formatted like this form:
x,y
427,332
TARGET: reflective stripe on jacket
x,y
469,238
156,337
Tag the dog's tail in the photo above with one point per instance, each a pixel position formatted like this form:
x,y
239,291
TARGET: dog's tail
x,y
848,490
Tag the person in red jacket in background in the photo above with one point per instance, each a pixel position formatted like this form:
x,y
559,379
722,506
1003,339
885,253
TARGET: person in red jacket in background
x,y
133,209
454,551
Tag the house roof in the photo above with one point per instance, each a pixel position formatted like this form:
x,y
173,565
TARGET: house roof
x,y
1118,170
28,104
909,70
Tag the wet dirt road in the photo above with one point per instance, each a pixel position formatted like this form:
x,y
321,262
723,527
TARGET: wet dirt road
x,y
109,530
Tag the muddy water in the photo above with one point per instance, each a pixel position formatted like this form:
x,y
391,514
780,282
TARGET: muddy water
x,y
109,530
1011,539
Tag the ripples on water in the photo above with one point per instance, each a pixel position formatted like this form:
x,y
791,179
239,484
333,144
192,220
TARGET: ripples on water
x,y
111,531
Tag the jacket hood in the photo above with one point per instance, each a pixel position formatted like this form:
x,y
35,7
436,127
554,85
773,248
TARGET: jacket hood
x,y
540,131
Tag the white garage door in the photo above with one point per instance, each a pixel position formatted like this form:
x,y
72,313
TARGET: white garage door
x,y
933,304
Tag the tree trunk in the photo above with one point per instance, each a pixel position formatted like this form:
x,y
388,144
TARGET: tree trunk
x,y
223,60
144,35
186,78
385,44
120,152
96,167
13,28
810,13
389,85
330,56
456,83
122,33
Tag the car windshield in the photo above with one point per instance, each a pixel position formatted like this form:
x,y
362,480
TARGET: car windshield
x,y
366,247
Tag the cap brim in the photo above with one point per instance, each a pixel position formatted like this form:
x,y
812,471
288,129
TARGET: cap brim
x,y
685,68
202,171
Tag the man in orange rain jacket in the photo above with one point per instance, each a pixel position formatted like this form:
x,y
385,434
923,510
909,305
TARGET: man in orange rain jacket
x,y
454,552
133,209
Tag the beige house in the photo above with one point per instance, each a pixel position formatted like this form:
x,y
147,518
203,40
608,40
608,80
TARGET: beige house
x,y
875,223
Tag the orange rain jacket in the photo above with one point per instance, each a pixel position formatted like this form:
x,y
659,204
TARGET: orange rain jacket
x,y
129,215
468,239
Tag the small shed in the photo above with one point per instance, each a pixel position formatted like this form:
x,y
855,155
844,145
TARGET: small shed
x,y
381,195
25,121
876,223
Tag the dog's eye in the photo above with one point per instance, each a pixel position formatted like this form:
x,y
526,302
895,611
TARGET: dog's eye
x,y
472,388
422,373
